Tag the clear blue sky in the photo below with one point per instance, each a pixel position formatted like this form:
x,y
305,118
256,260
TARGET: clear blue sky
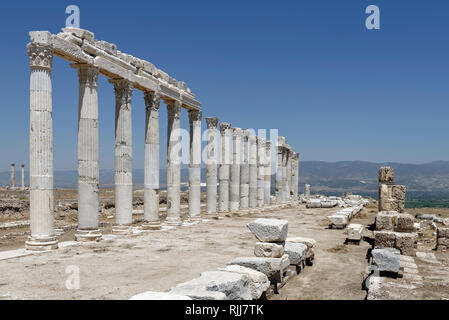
x,y
309,68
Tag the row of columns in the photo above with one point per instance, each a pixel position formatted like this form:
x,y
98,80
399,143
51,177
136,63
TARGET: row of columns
x,y
13,176
244,183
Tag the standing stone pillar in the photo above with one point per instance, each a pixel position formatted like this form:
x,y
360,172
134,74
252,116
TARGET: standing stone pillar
x,y
23,176
252,197
195,166
211,166
307,190
88,154
267,182
41,145
295,175
279,162
244,171
151,166
284,173
123,159
13,175
289,174
260,172
235,168
173,164
224,167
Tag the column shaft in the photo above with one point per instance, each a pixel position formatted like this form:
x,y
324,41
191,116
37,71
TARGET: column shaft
x,y
279,159
211,166
223,205
23,176
195,166
267,182
173,163
13,175
260,172
289,176
123,157
252,172
41,149
151,166
244,170
235,168
88,165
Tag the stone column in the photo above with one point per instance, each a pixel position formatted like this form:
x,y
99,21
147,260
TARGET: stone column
x,y
295,175
267,182
260,172
195,166
23,176
289,175
211,166
252,196
235,168
123,159
151,166
173,164
41,146
88,154
307,190
284,173
224,167
244,171
279,161
13,175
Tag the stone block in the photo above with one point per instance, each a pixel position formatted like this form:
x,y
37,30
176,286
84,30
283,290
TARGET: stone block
x,y
404,223
152,295
269,230
355,232
338,220
313,203
273,268
386,175
258,282
268,250
386,259
443,242
386,239
41,37
80,33
443,233
233,285
406,243
297,252
384,221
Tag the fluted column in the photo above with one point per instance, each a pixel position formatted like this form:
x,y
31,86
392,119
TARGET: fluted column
x,y
252,197
41,148
23,176
244,173
123,157
211,166
295,175
289,174
195,166
88,165
260,172
151,166
225,132
284,173
13,175
279,162
267,182
235,168
173,163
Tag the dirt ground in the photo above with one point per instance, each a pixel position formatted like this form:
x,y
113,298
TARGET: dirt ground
x,y
121,267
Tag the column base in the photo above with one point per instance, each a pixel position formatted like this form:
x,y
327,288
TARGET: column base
x,y
88,235
195,219
41,244
211,215
173,222
151,225
121,230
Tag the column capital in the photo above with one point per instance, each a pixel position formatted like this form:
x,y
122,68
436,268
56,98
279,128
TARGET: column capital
x,y
123,89
281,141
212,123
87,74
195,115
224,127
152,100
237,132
40,55
174,109
268,144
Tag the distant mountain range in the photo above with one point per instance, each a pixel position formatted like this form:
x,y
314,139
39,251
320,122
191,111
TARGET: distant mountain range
x,y
324,177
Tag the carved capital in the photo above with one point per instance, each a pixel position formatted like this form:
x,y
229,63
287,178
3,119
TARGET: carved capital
x,y
237,132
174,109
40,55
268,144
224,128
87,75
152,101
212,123
123,90
195,115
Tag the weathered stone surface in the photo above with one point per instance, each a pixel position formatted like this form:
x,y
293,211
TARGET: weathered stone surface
x,y
258,282
404,223
313,203
386,175
297,252
406,243
384,239
269,230
443,232
355,232
273,268
386,259
425,216
384,221
338,220
268,250
233,285
152,295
